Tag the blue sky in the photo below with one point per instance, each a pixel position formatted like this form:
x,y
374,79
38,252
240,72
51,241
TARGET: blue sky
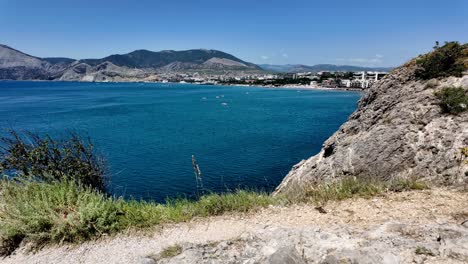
x,y
372,33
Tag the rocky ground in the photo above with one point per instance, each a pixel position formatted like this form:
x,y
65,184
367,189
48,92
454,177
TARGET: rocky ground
x,y
427,226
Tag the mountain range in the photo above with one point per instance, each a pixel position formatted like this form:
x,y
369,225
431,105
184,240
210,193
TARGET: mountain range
x,y
144,65
293,68
136,65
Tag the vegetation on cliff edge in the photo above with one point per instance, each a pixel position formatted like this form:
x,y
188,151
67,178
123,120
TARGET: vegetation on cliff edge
x,y
453,100
43,204
66,211
451,59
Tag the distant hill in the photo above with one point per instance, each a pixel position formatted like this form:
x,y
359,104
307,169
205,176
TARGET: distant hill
x,y
134,66
17,65
57,60
291,68
189,58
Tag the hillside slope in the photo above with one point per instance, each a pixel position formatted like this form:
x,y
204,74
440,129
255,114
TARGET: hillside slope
x,y
142,59
17,65
398,131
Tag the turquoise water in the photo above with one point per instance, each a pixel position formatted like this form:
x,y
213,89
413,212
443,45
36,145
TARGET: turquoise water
x,y
242,137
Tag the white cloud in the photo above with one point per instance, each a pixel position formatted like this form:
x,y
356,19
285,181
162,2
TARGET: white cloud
x,y
285,55
264,57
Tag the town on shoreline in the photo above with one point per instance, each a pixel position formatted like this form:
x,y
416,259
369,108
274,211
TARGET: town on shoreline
x,y
358,81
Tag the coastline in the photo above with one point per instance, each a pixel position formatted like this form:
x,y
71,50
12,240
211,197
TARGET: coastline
x,y
287,86
297,87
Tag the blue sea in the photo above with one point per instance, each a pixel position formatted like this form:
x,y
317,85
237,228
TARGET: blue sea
x,y
242,137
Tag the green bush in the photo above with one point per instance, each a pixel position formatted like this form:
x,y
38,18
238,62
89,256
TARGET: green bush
x,y
452,100
444,61
46,159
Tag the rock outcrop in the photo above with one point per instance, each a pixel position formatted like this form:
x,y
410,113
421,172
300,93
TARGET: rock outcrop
x,y
398,130
410,244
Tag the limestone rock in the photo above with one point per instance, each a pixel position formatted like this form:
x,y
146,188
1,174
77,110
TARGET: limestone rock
x,y
285,255
389,243
398,130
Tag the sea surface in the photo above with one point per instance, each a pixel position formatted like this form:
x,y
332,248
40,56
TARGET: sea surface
x,y
242,137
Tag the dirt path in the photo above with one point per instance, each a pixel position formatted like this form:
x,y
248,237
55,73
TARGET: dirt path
x,y
353,217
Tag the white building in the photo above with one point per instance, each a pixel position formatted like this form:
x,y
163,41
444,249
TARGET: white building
x,y
366,79
346,83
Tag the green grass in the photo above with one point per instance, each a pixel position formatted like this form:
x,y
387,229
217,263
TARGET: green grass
x,y
64,211
168,252
353,187
67,212
423,251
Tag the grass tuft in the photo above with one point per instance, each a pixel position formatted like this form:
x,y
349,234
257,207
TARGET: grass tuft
x,y
343,189
168,252
424,251
354,187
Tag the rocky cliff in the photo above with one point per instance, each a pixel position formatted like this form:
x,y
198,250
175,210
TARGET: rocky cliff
x,y
398,130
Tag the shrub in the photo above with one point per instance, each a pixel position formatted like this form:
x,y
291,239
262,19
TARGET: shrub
x,y
452,100
46,159
448,60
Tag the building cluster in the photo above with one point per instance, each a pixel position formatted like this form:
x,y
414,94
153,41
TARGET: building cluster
x,y
364,79
323,79
358,80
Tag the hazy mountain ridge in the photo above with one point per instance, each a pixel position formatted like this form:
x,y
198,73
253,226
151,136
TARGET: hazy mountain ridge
x,y
148,59
136,65
57,60
292,68
142,65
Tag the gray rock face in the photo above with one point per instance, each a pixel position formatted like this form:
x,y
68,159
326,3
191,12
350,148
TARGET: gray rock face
x,y
19,66
398,130
390,243
286,255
